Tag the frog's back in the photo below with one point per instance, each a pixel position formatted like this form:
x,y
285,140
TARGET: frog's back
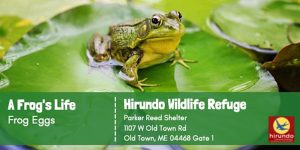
x,y
122,35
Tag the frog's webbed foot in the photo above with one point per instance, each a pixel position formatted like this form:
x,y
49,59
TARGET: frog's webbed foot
x,y
133,81
183,62
140,84
178,59
129,73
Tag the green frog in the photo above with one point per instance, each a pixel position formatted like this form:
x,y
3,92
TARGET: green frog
x,y
140,44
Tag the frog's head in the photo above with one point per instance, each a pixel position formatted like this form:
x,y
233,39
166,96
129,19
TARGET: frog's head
x,y
161,26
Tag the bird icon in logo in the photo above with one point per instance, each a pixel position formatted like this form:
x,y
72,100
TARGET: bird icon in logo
x,y
281,125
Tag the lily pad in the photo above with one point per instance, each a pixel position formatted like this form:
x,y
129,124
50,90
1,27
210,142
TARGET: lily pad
x,y
12,28
38,11
16,19
263,25
56,61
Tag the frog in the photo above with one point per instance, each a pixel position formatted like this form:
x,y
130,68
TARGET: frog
x,y
139,44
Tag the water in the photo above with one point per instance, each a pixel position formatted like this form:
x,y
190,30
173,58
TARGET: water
x,y
242,86
40,37
37,39
265,83
4,82
4,65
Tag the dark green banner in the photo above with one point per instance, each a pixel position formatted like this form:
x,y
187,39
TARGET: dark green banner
x,y
149,118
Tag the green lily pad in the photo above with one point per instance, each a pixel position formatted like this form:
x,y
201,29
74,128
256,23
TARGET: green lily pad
x,y
43,10
16,20
262,24
56,61
12,28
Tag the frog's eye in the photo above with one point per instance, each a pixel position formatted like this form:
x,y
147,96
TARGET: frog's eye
x,y
177,14
156,20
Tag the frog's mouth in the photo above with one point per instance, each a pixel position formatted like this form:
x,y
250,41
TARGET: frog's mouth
x,y
167,34
163,38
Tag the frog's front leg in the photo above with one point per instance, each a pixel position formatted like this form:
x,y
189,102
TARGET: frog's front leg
x,y
178,59
129,72
98,47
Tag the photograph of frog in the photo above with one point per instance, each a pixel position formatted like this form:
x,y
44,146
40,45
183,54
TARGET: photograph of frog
x,y
140,44
149,46
146,46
